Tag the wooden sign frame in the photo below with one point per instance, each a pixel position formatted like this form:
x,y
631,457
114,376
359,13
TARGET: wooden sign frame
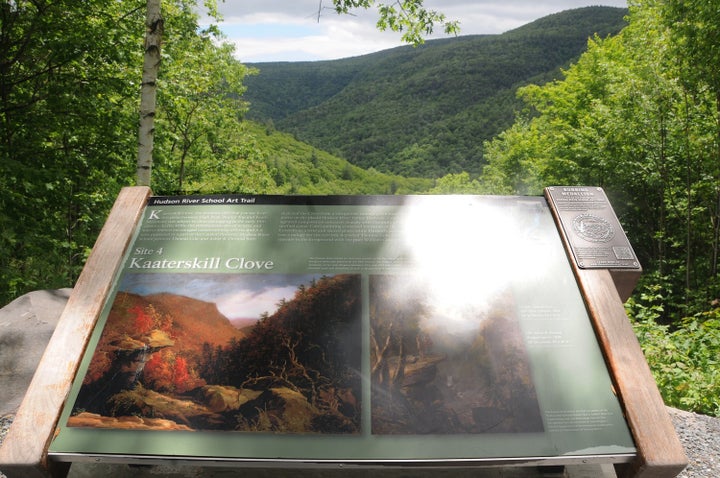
x,y
24,451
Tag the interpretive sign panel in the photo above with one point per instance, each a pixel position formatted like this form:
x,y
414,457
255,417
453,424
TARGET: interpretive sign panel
x,y
344,329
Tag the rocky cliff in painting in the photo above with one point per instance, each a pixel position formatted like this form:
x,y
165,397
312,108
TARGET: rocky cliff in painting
x,y
167,361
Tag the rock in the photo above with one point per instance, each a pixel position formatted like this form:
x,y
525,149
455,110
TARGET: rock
x,y
26,325
280,409
144,403
132,354
86,419
158,339
222,398
421,372
297,414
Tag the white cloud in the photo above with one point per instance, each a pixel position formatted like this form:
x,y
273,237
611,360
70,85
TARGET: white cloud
x,y
329,40
251,304
278,30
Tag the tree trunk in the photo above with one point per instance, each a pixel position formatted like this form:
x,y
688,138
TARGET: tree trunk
x,y
716,218
151,66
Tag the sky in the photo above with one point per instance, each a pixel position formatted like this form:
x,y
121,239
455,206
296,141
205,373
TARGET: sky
x,y
236,295
292,30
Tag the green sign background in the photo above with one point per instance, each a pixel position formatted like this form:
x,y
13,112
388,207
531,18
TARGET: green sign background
x,y
481,247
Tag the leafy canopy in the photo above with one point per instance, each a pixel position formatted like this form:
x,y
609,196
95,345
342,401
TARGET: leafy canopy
x,y
406,16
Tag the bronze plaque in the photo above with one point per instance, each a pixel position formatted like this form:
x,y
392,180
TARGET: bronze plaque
x,y
593,231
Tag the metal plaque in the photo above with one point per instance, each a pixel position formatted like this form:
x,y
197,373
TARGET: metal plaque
x,y
592,229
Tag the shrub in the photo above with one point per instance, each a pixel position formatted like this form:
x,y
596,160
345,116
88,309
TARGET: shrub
x,y
684,358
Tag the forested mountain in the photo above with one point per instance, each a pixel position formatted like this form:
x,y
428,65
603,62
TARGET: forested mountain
x,y
290,166
422,111
70,75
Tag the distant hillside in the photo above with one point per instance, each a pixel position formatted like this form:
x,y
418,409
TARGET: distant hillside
x,y
422,111
299,168
195,322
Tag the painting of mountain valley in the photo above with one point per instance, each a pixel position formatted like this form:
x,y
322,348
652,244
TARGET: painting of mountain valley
x,y
228,352
447,358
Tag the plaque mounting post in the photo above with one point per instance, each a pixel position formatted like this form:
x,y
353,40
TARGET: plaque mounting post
x,y
593,234
607,270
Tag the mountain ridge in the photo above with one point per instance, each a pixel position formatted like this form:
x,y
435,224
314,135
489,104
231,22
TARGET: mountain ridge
x,y
422,111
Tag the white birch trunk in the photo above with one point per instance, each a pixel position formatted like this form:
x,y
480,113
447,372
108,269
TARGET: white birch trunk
x,y
151,66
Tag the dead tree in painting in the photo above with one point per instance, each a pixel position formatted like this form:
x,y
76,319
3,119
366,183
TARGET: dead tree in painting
x,y
298,368
394,333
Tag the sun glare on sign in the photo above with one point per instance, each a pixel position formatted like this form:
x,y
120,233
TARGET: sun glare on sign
x,y
468,254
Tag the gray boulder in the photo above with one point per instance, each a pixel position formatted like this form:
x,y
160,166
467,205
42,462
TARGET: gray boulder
x,y
26,325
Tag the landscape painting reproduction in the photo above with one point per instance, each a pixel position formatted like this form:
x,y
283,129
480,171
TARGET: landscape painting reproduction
x,y
443,364
228,352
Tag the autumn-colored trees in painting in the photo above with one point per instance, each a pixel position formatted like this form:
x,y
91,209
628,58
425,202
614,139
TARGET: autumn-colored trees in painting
x,y
156,366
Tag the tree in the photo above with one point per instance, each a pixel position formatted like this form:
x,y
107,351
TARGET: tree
x,y
396,311
180,375
407,16
200,133
695,29
69,75
457,184
66,105
151,65
625,117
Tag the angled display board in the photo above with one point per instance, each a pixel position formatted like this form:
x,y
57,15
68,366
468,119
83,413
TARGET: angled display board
x,y
345,330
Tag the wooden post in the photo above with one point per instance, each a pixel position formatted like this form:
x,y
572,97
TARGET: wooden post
x,y
24,450
659,451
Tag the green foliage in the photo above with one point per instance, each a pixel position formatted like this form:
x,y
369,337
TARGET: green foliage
x,y
638,114
69,87
200,108
65,114
457,184
298,168
623,118
685,358
422,111
407,16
